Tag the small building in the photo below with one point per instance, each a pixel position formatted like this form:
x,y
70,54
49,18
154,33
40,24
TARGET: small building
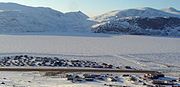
x,y
154,75
89,79
164,81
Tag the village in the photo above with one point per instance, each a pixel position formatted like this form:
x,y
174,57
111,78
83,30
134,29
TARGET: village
x,y
107,79
119,80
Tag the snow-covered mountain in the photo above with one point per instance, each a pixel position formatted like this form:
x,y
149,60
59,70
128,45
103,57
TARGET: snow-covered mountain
x,y
129,13
146,21
171,10
78,21
16,18
20,18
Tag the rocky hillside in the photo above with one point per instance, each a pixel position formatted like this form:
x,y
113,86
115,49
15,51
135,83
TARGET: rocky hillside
x,y
145,21
141,26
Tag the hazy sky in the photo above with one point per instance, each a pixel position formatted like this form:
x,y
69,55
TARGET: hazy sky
x,y
96,7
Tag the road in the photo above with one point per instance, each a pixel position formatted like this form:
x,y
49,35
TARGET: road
x,y
66,70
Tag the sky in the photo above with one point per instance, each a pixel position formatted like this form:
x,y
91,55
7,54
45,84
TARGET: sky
x,y
97,7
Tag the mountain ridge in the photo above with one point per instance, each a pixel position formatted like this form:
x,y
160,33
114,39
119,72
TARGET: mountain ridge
x,y
19,18
141,21
139,12
16,18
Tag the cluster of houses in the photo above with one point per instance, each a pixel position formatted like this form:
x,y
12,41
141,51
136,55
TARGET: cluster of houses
x,y
153,80
92,77
149,80
157,79
160,79
25,60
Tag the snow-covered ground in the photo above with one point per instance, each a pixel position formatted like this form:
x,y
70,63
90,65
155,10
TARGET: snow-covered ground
x,y
76,41
34,79
167,63
89,44
102,47
145,52
137,51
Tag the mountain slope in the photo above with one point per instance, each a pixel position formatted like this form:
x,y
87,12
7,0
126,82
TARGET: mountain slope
x,y
171,10
15,18
78,21
129,13
144,21
19,18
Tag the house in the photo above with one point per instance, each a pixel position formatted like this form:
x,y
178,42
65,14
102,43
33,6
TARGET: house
x,y
164,81
154,75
